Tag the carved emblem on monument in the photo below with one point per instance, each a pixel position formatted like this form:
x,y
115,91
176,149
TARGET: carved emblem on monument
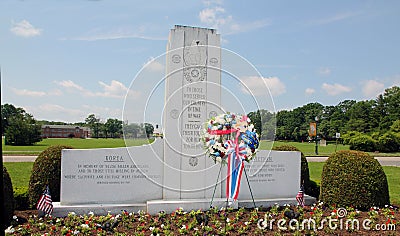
x,y
212,114
174,114
195,74
195,60
193,161
176,58
214,61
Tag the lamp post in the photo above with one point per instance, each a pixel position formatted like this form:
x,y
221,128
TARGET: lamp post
x,y
316,135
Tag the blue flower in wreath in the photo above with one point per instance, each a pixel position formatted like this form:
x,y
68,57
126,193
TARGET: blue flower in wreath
x,y
250,138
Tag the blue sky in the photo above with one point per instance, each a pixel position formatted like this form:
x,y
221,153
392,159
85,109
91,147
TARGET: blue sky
x,y
63,60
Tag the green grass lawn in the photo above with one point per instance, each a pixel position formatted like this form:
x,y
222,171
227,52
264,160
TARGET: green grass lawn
x,y
20,172
307,148
75,143
392,175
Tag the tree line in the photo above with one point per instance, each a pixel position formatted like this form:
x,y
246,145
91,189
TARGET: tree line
x,y
369,116
21,128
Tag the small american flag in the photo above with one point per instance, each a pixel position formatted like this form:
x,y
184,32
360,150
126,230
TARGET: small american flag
x,y
45,203
300,196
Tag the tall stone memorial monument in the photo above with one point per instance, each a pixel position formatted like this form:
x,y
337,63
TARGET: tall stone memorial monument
x,y
192,95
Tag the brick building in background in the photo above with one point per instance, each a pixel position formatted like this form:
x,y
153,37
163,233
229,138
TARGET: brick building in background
x,y
65,131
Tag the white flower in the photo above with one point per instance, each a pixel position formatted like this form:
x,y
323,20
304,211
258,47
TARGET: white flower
x,y
151,228
84,226
76,232
183,227
227,219
9,230
218,159
15,217
246,223
91,213
162,226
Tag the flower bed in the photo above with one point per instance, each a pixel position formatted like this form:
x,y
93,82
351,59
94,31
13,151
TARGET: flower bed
x,y
277,220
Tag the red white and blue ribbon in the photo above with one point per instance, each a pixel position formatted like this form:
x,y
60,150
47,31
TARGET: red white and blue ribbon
x,y
236,155
231,152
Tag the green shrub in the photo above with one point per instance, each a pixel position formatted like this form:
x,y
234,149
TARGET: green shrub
x,y
359,141
310,187
9,203
21,198
353,178
388,142
46,171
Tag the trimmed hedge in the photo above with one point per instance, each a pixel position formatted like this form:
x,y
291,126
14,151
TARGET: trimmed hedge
x,y
21,198
310,187
46,171
9,202
388,142
354,178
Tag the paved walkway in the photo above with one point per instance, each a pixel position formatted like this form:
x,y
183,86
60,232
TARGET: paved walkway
x,y
385,161
19,158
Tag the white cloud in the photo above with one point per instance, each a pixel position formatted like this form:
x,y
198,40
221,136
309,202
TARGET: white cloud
x,y
115,90
154,65
25,92
214,17
118,33
335,89
56,112
372,88
247,26
324,71
260,85
331,19
55,92
309,91
69,84
212,2
25,29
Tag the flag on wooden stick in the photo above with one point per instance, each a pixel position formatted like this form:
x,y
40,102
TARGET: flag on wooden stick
x,y
45,203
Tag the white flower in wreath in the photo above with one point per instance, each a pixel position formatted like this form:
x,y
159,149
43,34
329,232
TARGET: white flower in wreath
x,y
220,119
241,125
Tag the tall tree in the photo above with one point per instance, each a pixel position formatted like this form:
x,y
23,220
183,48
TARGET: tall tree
x,y
149,129
7,112
21,128
94,124
113,127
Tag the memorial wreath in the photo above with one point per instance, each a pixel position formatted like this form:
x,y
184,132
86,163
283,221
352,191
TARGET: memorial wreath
x,y
227,133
